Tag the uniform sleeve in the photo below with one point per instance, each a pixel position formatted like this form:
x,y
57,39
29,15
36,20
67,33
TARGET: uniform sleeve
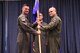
x,y
51,25
34,25
25,26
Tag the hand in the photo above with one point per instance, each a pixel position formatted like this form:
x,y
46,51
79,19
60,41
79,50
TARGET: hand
x,y
38,32
38,26
33,44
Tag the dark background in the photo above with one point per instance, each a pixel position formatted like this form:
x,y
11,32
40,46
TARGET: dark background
x,y
68,10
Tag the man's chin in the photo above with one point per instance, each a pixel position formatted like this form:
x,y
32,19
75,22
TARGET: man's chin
x,y
26,13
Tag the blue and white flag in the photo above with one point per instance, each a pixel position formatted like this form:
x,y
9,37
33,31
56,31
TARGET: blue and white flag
x,y
35,9
36,6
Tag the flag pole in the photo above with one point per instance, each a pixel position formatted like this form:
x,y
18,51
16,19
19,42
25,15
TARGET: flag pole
x,y
36,9
39,37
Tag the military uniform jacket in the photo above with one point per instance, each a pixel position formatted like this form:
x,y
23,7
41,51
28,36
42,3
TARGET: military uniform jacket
x,y
25,29
54,29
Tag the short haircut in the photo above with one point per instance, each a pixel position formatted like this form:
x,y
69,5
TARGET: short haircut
x,y
25,5
53,7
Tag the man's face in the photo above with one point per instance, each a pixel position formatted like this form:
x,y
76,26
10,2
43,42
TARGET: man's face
x,y
25,10
40,16
52,12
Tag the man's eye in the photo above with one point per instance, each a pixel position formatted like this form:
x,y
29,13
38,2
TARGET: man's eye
x,y
50,11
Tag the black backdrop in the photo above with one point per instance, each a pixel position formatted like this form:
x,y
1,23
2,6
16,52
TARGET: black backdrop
x,y
1,9
68,10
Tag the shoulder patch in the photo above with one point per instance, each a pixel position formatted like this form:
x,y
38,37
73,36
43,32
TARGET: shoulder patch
x,y
23,18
